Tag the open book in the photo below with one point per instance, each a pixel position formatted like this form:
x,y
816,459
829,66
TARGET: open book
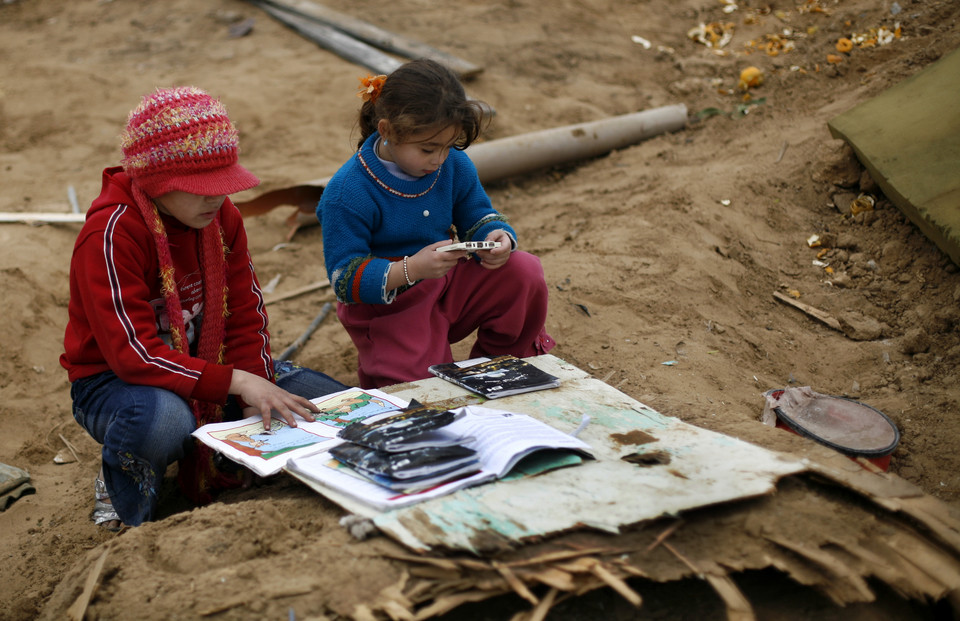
x,y
267,451
500,439
496,377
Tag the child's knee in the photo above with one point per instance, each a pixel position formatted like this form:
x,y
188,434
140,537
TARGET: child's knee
x,y
174,421
528,272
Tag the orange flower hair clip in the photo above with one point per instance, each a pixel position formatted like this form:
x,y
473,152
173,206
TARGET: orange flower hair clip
x,y
371,87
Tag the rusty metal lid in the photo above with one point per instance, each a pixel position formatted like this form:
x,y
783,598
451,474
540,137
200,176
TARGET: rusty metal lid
x,y
848,426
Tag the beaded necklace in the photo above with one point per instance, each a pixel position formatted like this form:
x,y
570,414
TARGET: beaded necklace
x,y
388,188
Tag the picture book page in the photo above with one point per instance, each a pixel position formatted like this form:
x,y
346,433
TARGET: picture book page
x,y
267,451
263,451
339,409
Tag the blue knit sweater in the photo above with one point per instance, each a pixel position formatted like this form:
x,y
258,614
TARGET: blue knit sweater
x,y
371,217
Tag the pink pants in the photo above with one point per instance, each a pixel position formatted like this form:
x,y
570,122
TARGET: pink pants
x,y
506,306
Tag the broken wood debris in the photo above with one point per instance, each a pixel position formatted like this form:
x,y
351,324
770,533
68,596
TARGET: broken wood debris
x,y
28,217
459,580
663,536
303,338
738,606
816,313
71,448
919,560
837,556
78,610
320,284
515,583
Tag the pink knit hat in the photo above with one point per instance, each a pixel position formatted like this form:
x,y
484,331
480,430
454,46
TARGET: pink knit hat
x,y
181,139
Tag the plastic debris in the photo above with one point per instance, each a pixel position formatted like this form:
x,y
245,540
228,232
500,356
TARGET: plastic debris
x,y
714,35
881,35
64,457
862,203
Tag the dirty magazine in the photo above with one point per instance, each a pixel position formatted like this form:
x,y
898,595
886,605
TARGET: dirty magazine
x,y
496,377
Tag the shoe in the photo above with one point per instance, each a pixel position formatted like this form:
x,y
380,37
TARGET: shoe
x,y
103,513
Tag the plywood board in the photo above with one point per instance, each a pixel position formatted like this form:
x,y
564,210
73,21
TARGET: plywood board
x,y
686,467
908,138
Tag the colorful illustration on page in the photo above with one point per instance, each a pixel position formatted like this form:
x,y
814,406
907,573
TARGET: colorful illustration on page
x,y
349,407
282,438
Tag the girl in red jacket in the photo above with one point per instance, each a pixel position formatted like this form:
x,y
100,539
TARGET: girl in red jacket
x,y
167,327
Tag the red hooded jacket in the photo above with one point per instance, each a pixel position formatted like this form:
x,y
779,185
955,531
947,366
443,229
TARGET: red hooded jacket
x,y
117,314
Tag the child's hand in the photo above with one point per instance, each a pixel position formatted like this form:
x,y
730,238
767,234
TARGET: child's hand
x,y
496,257
428,263
265,397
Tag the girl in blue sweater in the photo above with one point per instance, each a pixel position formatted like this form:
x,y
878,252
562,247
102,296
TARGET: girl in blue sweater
x,y
409,190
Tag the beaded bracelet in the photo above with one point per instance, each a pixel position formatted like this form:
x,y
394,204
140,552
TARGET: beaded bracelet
x,y
406,275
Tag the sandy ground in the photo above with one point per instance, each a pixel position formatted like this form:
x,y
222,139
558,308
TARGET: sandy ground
x,y
670,250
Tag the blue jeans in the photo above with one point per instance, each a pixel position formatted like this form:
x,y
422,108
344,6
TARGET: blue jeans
x,y
143,429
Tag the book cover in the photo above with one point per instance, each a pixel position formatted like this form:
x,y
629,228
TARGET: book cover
x,y
496,377
410,428
430,461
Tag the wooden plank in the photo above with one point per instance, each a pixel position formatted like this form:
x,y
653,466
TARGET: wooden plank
x,y
376,36
606,494
816,313
40,216
297,344
320,284
78,610
738,606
